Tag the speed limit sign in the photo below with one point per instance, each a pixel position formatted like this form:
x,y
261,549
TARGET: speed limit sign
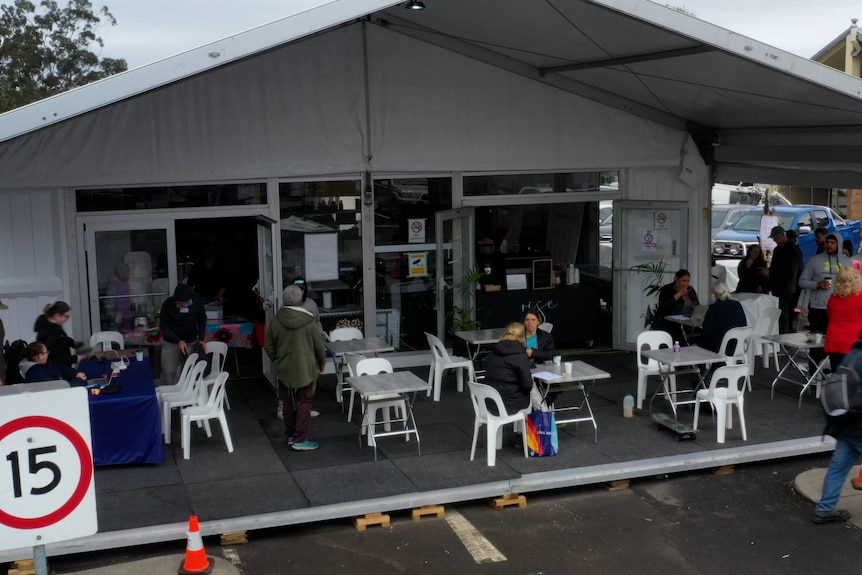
x,y
46,467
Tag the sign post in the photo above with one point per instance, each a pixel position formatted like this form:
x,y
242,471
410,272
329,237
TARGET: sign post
x,y
46,469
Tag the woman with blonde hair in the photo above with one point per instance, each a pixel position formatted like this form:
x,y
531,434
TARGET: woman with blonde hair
x,y
508,369
844,310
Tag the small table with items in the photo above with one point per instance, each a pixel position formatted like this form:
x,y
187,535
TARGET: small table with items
x,y
686,321
555,379
388,384
234,331
126,425
685,361
797,348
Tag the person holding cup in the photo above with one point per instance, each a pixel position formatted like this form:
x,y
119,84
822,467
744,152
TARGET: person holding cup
x,y
817,278
540,344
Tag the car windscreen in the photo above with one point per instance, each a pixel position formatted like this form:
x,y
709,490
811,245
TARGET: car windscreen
x,y
748,223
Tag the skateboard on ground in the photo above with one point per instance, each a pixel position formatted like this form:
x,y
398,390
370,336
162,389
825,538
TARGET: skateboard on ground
x,y
683,431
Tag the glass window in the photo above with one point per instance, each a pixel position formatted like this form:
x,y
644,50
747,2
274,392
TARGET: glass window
x,y
541,183
321,243
102,200
405,256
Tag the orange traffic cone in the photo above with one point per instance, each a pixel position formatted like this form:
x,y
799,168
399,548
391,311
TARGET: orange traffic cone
x,y
857,483
196,556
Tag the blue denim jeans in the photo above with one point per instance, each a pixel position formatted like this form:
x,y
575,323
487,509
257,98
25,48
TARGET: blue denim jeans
x,y
847,450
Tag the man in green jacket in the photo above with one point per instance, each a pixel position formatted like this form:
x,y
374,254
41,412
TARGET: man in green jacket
x,y
295,347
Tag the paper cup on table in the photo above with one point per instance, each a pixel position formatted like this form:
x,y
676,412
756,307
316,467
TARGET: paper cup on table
x,y
567,368
327,299
139,355
557,359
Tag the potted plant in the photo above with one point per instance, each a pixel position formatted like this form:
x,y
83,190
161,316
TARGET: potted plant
x,y
652,278
464,316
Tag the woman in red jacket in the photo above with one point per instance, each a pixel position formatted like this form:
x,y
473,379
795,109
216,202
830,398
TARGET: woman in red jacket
x,y
844,311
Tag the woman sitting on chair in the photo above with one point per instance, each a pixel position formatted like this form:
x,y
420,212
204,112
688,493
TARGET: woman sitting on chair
x,y
38,368
721,316
508,371
540,344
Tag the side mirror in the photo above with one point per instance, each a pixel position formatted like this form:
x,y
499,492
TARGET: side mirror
x,y
804,230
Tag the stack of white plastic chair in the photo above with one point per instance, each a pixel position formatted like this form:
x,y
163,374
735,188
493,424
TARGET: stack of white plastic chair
x,y
193,393
181,382
213,408
767,324
105,340
219,351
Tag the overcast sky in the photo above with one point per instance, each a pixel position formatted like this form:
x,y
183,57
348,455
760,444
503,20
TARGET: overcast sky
x,y
150,30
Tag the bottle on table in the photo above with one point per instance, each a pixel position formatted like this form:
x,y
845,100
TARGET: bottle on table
x,y
676,347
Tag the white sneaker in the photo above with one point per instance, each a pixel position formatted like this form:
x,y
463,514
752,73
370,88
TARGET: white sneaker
x,y
314,413
278,410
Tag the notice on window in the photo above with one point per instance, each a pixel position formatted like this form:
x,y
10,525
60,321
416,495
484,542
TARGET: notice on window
x,y
649,241
321,257
416,230
418,265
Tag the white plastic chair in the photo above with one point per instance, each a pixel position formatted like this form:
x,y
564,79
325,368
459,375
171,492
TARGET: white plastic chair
x,y
647,340
479,393
194,394
352,360
104,340
342,334
547,326
182,382
373,404
767,324
212,409
723,399
219,351
740,339
441,361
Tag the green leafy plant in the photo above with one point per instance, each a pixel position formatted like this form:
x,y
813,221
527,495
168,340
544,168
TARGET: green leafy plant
x,y
463,316
652,278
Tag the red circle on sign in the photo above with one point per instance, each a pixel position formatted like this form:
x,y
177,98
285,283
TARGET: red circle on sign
x,y
81,449
417,227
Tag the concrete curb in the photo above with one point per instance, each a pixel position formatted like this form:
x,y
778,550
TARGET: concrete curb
x,y
167,565
809,484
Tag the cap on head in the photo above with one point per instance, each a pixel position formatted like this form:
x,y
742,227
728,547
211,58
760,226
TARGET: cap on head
x,y
775,232
832,237
182,293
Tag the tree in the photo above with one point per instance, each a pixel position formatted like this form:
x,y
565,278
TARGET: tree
x,y
48,50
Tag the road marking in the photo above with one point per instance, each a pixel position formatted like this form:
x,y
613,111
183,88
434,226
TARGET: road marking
x,y
231,555
479,547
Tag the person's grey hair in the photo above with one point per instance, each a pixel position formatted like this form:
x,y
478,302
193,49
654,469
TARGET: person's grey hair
x,y
721,291
292,295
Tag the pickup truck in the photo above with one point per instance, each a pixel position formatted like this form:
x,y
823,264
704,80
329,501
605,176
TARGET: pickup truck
x,y
733,242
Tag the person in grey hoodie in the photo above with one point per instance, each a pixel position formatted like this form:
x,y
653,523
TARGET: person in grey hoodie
x,y
817,279
295,347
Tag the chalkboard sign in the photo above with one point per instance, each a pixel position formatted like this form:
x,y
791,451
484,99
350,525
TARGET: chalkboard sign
x,y
543,274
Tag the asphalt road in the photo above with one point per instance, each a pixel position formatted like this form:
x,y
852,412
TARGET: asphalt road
x,y
750,521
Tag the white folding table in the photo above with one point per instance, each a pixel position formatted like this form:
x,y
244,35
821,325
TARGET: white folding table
x,y
554,379
686,360
797,348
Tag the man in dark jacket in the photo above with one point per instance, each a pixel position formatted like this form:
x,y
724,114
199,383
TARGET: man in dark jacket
x,y
783,278
848,436
183,322
295,347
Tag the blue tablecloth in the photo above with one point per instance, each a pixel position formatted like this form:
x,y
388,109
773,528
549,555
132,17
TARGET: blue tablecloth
x,y
126,426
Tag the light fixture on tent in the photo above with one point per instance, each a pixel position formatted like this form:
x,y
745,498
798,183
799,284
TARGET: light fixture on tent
x,y
415,5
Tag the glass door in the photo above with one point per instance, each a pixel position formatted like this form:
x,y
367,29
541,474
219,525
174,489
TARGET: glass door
x,y
652,237
266,283
455,239
130,272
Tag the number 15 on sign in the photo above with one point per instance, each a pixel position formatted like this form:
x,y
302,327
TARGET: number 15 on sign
x,y
46,468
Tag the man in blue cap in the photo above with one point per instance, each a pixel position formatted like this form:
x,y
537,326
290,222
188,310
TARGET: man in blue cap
x,y
783,278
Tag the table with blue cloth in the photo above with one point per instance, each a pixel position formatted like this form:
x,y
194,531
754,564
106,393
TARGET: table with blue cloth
x,y
126,426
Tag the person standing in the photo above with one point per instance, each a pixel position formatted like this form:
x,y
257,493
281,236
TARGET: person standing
x,y
49,330
817,278
183,322
820,238
782,276
847,432
752,271
845,315
295,347
2,343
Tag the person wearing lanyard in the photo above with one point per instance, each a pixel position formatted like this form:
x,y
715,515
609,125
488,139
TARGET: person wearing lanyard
x,y
817,279
183,322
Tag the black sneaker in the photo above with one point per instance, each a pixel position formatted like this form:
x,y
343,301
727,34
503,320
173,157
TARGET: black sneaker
x,y
838,515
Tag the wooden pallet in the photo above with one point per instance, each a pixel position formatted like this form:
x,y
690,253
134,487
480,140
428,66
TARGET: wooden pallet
x,y
507,500
22,567
234,538
419,512
361,523
618,485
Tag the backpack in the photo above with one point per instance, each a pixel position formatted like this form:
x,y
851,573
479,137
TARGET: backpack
x,y
841,392
14,354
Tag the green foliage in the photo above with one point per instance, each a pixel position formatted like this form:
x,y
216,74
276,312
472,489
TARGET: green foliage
x,y
463,316
47,49
653,274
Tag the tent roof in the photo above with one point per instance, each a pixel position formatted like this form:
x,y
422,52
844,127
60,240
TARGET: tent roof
x,y
634,55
